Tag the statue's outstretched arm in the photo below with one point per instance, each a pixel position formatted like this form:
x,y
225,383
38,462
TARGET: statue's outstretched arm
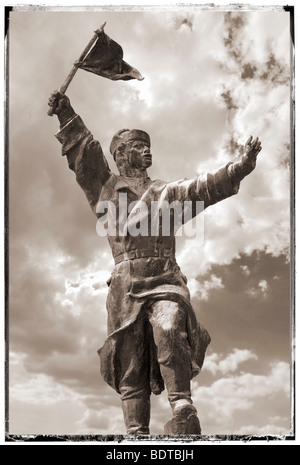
x,y
211,188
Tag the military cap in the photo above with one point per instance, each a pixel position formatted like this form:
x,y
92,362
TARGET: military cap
x,y
126,135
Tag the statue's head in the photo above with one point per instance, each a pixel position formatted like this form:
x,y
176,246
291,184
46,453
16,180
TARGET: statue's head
x,y
131,151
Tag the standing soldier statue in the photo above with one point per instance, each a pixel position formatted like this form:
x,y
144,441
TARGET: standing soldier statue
x,y
154,340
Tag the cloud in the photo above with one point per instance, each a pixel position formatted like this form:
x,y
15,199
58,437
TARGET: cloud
x,y
202,289
235,318
184,22
245,270
263,286
230,105
234,22
38,404
108,420
68,408
261,289
249,71
257,61
215,363
271,429
50,324
230,400
275,72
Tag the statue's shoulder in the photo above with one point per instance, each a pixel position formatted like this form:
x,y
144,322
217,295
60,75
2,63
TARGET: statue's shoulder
x,y
109,187
158,183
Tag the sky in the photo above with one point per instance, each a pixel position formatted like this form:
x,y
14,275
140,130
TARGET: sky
x,y
212,79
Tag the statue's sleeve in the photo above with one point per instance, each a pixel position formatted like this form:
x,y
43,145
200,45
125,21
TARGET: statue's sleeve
x,y
85,158
209,188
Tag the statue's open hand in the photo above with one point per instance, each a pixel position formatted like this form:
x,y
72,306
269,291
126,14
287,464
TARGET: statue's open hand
x,y
252,149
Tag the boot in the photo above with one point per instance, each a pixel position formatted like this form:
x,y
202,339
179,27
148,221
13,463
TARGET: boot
x,y
184,421
136,415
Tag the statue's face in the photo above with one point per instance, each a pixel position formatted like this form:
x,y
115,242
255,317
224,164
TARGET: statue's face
x,y
138,154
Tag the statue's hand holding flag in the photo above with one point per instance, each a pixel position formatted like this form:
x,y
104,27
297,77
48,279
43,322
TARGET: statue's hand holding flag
x,y
102,56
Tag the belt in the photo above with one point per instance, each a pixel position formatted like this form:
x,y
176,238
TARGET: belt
x,y
133,254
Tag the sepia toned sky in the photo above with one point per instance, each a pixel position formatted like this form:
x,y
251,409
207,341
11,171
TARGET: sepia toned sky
x,y
212,79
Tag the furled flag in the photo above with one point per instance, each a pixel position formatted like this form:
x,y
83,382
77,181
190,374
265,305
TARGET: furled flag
x,y
106,59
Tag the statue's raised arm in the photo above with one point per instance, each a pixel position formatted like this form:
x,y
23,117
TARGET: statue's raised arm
x,y
84,153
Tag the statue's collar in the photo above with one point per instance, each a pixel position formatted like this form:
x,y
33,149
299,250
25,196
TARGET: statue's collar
x,y
117,182
132,183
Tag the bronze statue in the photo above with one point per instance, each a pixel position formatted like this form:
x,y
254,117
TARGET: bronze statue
x,y
154,340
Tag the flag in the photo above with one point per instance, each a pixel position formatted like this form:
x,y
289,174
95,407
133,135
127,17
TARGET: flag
x,y
106,59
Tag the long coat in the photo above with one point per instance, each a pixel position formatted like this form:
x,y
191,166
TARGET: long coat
x,y
145,265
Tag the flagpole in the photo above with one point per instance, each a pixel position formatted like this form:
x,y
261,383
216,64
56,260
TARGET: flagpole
x,y
74,69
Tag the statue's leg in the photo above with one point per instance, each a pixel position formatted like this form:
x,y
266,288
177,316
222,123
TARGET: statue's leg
x,y
136,412
168,320
134,382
